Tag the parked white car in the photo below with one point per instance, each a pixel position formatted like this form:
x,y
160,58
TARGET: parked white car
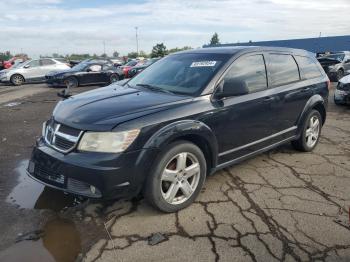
x,y
31,71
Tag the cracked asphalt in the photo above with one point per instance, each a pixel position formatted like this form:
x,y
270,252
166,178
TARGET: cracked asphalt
x,y
279,206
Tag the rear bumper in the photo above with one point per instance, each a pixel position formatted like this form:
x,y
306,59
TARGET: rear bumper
x,y
94,175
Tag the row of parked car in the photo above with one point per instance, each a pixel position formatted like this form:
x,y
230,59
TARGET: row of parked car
x,y
57,72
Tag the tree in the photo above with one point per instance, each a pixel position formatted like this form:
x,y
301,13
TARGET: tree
x,y
115,54
104,55
133,55
176,49
143,54
215,39
159,50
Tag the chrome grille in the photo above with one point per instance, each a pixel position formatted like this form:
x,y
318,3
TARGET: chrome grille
x,y
61,137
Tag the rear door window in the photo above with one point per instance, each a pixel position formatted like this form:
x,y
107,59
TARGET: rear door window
x,y
250,69
282,69
308,68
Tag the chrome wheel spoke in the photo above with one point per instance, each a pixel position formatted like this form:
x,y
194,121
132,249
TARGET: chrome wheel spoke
x,y
169,175
181,161
186,188
308,132
192,170
171,193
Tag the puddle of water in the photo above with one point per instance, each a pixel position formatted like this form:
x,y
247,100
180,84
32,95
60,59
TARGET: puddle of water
x,y
61,243
29,193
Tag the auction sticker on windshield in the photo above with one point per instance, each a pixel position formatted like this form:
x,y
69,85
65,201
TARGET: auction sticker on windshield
x,y
203,63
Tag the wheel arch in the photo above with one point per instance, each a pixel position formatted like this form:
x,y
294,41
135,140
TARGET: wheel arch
x,y
315,102
192,131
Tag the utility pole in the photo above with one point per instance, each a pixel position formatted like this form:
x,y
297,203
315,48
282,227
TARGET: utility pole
x,y
104,47
137,41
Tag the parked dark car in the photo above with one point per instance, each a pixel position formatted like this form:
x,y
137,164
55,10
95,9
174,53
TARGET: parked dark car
x,y
336,65
86,73
139,68
342,92
185,117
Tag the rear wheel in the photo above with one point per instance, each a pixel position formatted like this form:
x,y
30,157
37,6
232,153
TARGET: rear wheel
x,y
339,75
17,80
71,82
311,131
113,78
177,177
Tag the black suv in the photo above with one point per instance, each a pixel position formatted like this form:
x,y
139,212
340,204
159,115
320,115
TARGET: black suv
x,y
181,119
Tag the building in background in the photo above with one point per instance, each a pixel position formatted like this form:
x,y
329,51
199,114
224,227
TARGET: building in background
x,y
315,45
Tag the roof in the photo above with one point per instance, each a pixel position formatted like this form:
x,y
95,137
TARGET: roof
x,y
235,49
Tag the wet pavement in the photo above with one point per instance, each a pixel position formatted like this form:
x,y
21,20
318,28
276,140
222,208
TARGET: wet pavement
x,y
281,206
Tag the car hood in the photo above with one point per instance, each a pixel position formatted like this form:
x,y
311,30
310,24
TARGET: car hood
x,y
104,108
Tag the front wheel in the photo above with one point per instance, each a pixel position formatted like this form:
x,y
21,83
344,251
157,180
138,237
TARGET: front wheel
x,y
177,177
17,80
311,131
113,78
71,82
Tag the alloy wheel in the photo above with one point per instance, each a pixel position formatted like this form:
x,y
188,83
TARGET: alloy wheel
x,y
180,178
312,131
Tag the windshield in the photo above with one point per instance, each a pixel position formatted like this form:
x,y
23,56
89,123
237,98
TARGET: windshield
x,y
185,73
79,67
338,57
19,64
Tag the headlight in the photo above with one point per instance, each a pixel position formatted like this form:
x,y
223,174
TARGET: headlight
x,y
107,142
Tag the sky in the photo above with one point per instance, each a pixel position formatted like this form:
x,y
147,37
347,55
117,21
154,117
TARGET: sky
x,y
77,26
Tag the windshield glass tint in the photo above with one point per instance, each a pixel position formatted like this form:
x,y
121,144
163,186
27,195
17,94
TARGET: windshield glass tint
x,y
183,73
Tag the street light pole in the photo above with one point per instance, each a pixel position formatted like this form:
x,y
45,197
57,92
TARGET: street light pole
x,y
104,47
137,41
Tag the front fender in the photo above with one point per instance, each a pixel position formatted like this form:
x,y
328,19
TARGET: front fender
x,y
184,128
314,101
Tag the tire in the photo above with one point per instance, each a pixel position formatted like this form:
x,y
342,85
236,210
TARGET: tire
x,y
175,189
113,78
310,136
72,82
340,74
17,80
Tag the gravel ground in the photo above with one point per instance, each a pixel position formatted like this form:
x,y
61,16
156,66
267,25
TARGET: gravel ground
x,y
281,206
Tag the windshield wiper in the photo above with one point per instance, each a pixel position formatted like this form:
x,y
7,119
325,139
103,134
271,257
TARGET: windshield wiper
x,y
155,88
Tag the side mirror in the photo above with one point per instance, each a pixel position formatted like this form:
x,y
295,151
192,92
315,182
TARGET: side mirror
x,y
232,87
26,66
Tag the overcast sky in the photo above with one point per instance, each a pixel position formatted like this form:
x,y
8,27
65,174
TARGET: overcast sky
x,y
81,26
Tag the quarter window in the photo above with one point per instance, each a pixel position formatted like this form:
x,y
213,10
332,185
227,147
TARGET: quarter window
x,y
308,68
251,70
282,69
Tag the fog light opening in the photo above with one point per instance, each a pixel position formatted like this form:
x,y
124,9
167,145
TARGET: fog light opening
x,y
93,189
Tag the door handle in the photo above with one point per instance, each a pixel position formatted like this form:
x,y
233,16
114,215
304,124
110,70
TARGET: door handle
x,y
268,99
306,89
